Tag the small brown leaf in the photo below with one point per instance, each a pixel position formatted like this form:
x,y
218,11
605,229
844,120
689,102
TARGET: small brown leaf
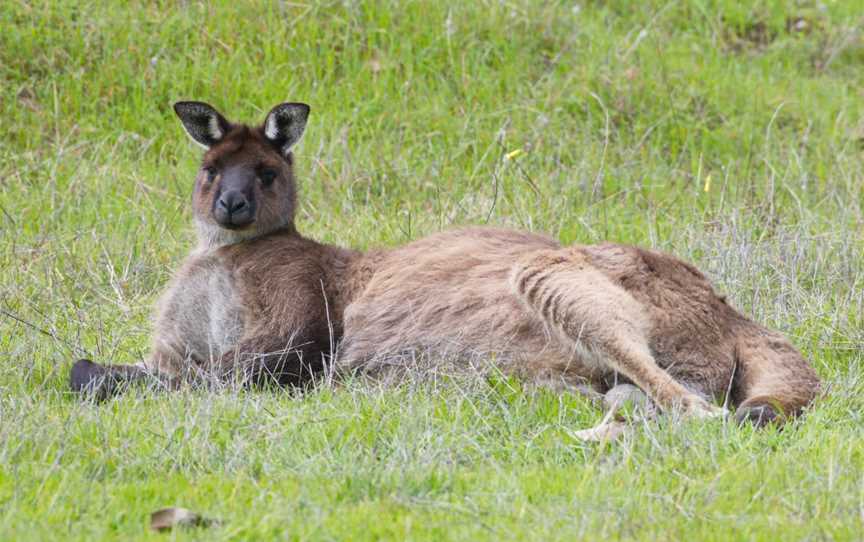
x,y
168,518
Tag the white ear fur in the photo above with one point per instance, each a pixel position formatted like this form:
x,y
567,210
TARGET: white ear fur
x,y
270,129
215,131
285,124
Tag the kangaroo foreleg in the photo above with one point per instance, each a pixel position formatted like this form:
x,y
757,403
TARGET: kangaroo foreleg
x,y
102,381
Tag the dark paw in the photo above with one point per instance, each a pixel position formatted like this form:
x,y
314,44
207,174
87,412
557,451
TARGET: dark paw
x,y
758,415
85,374
93,380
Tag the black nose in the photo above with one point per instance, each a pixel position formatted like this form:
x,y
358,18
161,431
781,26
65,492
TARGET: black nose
x,y
233,201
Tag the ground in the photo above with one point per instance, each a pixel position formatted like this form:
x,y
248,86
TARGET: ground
x,y
729,133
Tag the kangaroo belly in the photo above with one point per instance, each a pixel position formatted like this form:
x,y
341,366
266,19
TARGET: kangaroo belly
x,y
200,317
449,295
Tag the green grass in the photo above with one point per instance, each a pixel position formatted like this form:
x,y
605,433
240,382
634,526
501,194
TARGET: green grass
x,y
729,133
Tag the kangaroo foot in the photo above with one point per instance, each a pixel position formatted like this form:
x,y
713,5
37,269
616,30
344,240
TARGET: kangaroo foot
x,y
101,382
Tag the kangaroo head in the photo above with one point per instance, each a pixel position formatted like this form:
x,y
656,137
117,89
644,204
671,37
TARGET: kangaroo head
x,y
245,187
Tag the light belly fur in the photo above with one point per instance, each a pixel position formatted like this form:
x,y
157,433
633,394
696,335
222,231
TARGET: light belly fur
x,y
200,317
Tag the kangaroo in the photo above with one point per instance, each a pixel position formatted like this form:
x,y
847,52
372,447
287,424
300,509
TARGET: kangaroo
x,y
254,300
257,299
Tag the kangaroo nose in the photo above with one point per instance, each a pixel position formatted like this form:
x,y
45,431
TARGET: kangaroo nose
x,y
233,201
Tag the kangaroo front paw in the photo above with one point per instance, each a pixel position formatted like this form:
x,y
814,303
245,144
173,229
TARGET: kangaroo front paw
x,y
85,376
100,382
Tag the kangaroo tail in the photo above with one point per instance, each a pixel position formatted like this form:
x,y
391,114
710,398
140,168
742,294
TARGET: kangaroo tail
x,y
773,381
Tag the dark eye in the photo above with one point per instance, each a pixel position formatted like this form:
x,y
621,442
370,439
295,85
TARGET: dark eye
x,y
267,176
211,173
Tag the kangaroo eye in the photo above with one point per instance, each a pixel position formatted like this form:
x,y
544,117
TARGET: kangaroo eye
x,y
211,173
267,176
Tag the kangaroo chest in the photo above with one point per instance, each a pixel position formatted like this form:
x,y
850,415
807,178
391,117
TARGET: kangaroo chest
x,y
202,311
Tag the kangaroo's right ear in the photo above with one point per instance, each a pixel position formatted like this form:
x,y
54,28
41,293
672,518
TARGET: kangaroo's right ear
x,y
202,122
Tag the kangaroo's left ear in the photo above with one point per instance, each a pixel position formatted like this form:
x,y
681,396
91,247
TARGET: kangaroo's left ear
x,y
285,124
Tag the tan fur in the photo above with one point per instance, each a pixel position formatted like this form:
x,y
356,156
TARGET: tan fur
x,y
584,312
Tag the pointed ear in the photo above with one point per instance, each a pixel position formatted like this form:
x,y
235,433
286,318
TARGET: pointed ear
x,y
202,122
285,124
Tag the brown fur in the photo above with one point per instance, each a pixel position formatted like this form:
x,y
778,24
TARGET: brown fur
x,y
261,300
244,147
282,293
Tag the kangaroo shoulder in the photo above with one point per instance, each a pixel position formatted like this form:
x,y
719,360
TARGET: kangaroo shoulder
x,y
288,282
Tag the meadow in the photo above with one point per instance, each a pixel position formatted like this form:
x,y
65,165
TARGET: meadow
x,y
728,133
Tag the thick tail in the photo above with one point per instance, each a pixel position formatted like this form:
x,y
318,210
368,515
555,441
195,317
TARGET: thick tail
x,y
773,381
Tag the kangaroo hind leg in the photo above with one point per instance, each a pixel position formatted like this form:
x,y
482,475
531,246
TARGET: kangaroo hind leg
x,y
602,320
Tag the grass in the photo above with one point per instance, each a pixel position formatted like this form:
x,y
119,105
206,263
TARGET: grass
x,y
729,133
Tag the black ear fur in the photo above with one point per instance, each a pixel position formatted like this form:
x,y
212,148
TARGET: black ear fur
x,y
202,122
285,124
